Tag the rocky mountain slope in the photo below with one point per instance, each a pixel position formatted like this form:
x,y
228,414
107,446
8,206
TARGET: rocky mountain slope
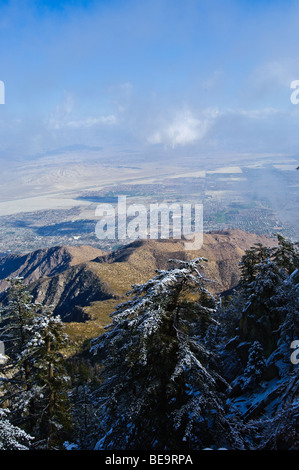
x,y
85,284
43,262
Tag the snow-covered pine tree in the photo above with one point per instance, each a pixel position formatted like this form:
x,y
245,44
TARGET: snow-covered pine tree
x,y
261,316
50,380
254,369
159,390
251,260
266,301
83,412
254,347
280,430
286,255
12,437
278,409
35,385
255,366
16,315
289,309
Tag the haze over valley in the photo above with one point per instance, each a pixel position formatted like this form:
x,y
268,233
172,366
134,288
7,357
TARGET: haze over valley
x,y
53,200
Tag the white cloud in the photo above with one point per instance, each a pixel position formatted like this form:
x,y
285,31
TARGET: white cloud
x,y
182,129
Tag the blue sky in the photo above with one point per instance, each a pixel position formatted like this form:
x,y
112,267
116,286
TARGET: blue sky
x,y
199,75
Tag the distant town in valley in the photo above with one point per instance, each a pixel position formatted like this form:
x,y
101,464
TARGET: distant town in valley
x,y
260,197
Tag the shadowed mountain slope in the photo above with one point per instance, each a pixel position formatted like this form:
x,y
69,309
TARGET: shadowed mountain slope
x,y
43,262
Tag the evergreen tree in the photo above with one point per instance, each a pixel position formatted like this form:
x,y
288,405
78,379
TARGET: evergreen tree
x,y
16,316
289,310
159,389
281,430
286,255
84,420
251,260
253,372
35,385
84,376
263,314
43,351
12,437
264,310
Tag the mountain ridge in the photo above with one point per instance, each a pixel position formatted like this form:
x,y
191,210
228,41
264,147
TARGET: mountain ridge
x,y
43,262
85,284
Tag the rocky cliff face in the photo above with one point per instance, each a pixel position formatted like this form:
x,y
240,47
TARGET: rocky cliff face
x,y
81,281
